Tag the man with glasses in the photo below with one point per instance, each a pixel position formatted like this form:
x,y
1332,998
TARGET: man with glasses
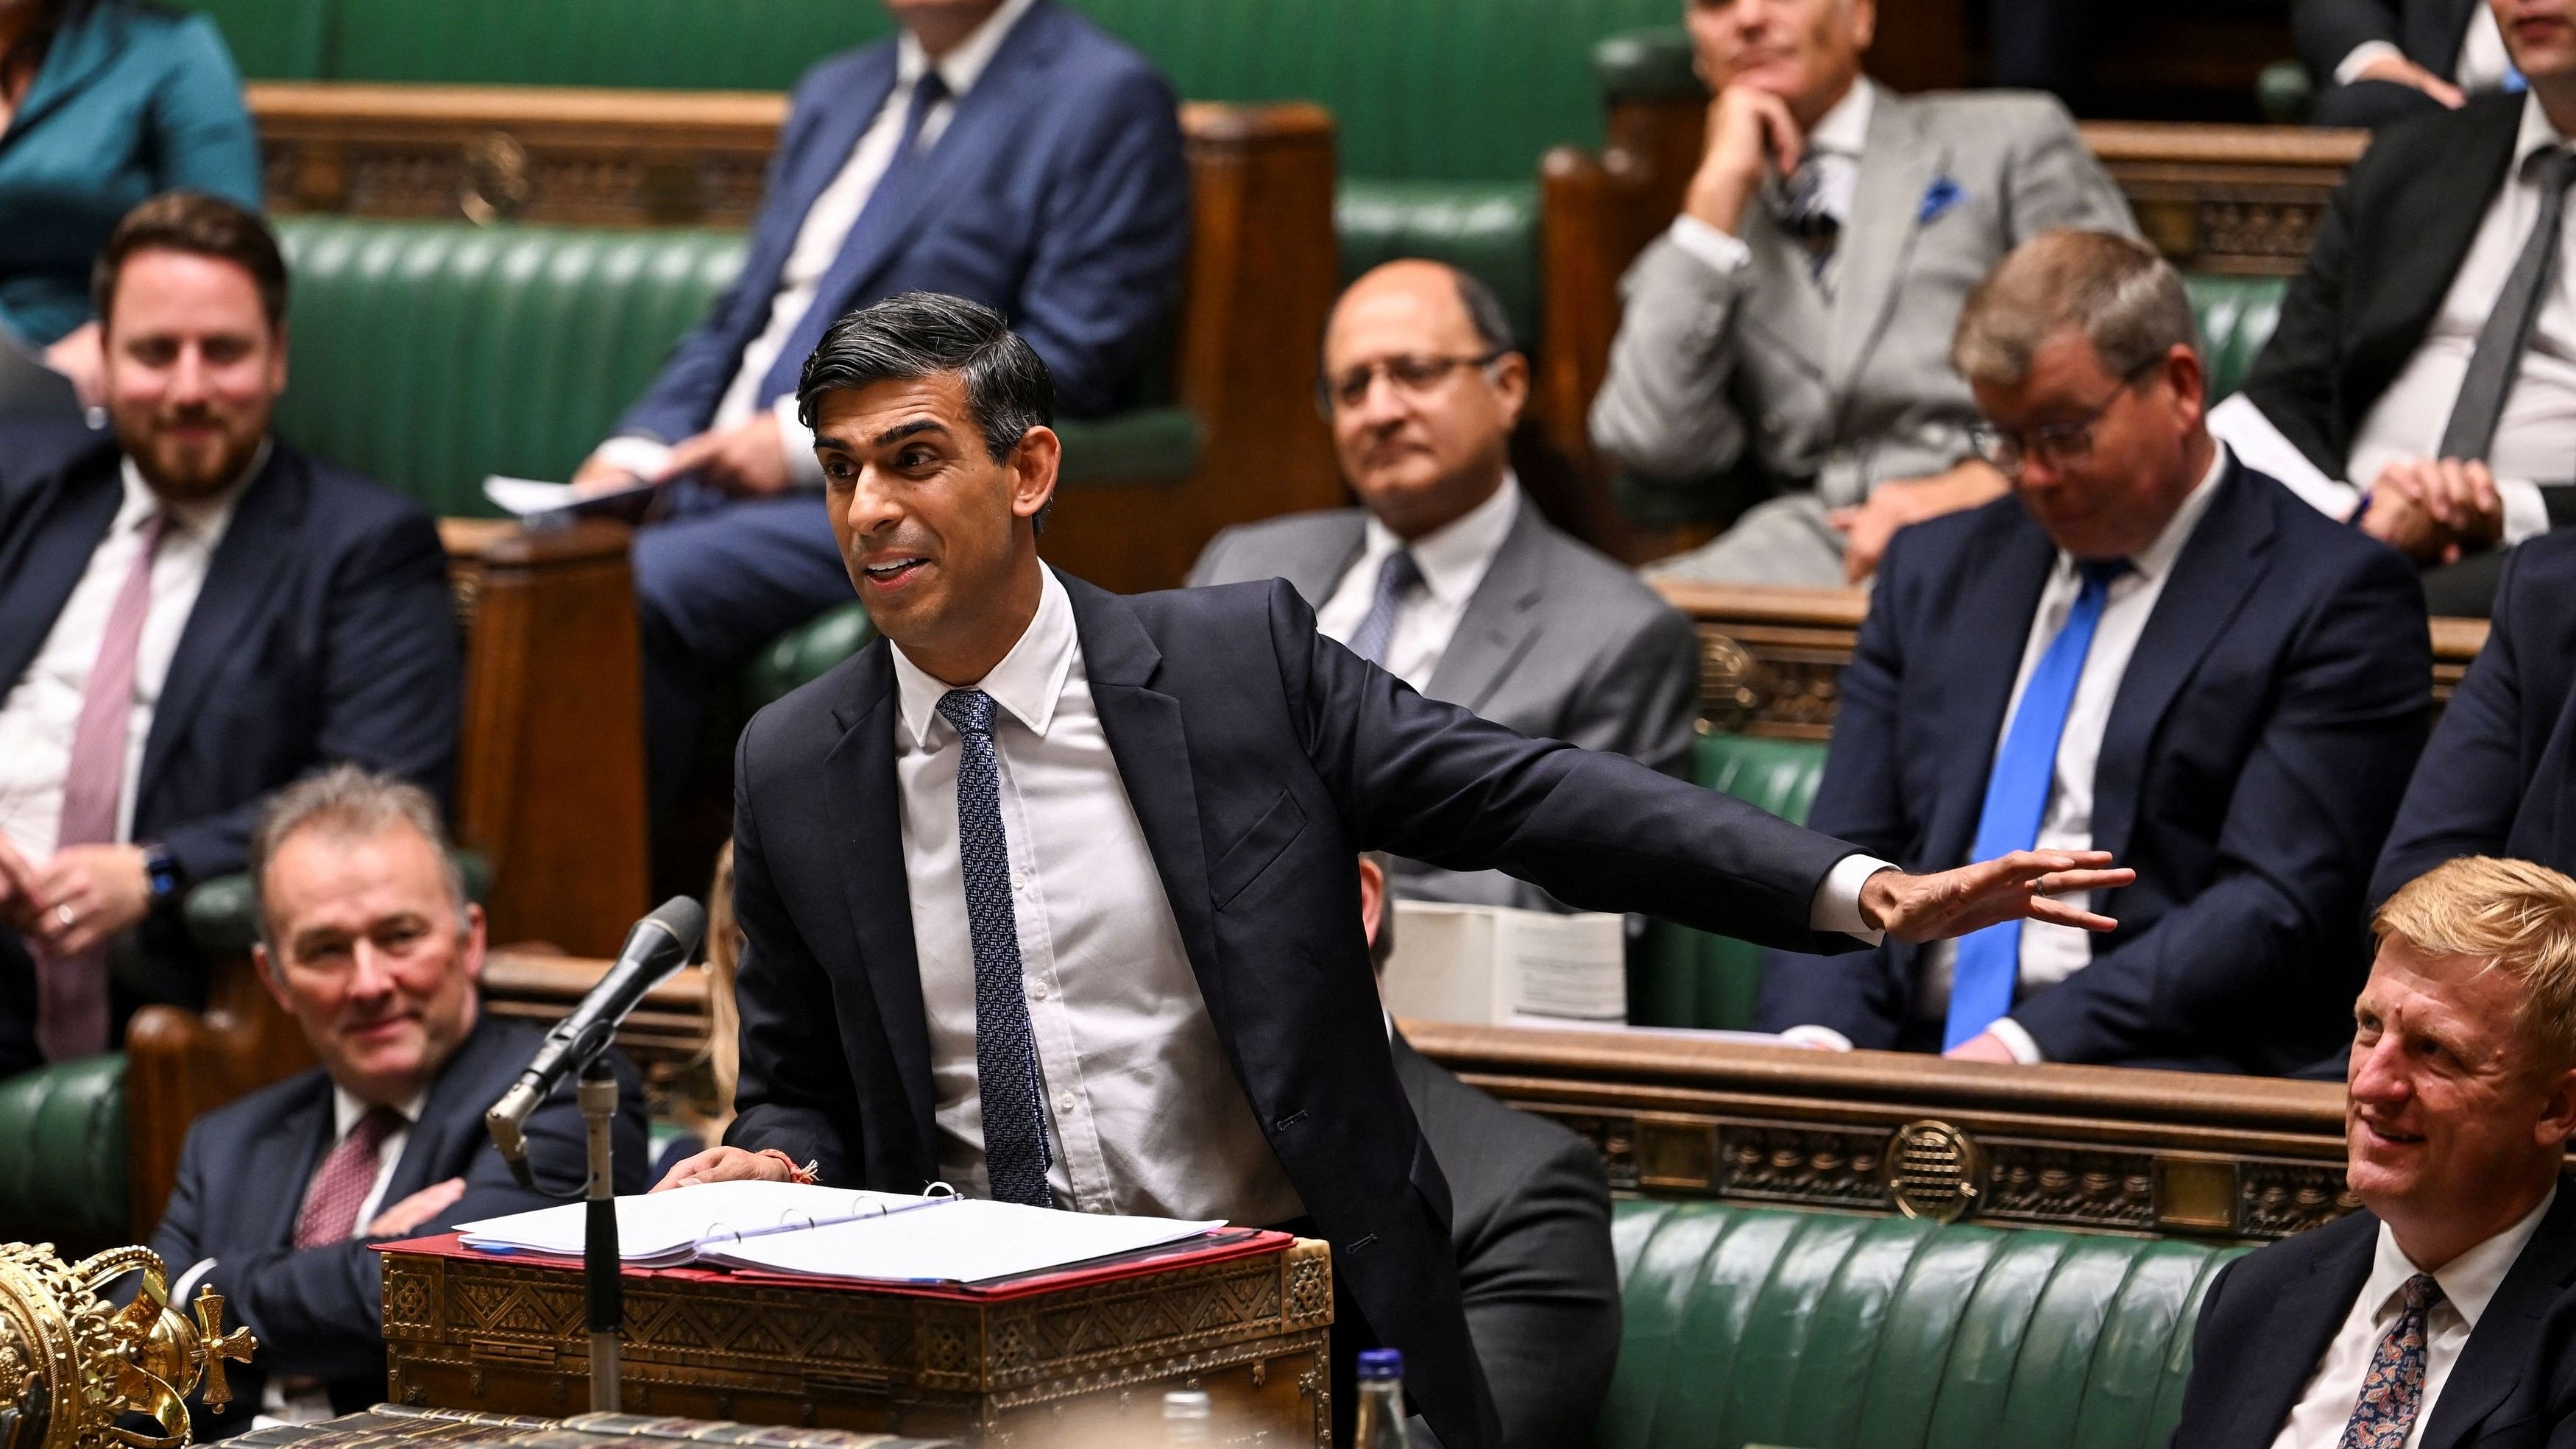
x,y
1446,575
2150,649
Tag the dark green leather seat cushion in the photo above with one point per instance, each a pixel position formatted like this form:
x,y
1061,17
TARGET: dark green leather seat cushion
x,y
62,1153
1681,977
1836,1331
430,354
223,915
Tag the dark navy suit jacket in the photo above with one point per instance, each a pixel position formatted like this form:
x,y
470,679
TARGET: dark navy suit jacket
x,y
1058,194
318,1312
2269,1316
325,631
1261,758
2253,759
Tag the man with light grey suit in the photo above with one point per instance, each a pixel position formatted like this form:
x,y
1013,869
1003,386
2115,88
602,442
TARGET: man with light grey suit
x,y
1797,315
1448,577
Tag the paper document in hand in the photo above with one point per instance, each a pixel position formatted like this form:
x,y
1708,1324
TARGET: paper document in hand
x,y
1489,965
667,1229
968,1240
529,498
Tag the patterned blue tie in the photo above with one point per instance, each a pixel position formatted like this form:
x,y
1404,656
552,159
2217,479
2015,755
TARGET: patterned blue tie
x,y
1006,1053
2392,1393
1981,990
1396,577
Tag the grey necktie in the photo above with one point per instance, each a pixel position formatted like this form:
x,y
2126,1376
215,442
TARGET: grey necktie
x,y
1006,1053
1396,577
2498,358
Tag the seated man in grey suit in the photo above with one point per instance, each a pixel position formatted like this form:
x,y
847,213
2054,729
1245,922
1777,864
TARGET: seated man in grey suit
x,y
1529,1219
1448,576
1798,313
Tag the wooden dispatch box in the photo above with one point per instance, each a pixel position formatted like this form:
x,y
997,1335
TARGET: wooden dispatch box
x,y
1078,1361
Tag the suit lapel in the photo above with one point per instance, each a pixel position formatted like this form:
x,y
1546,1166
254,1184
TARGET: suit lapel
x,y
2491,1362
285,1156
1150,742
2436,212
875,891
457,1099
240,586
2219,565
1897,166
74,56
2300,1321
45,557
1500,622
1980,667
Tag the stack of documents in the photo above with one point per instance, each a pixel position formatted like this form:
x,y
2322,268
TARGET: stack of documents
x,y
822,1232
1498,966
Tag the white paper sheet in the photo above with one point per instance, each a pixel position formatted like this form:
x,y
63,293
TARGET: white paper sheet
x,y
968,1240
665,1229
529,498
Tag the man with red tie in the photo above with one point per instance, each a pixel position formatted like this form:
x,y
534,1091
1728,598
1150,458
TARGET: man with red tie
x,y
369,942
192,614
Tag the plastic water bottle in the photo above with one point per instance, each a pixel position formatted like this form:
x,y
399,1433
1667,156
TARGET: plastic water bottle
x,y
1188,1418
1381,1408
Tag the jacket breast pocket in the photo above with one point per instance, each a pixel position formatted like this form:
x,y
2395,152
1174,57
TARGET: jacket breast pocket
x,y
1241,863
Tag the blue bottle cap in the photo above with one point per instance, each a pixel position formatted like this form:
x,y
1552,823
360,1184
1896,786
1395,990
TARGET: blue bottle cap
x,y
1381,1363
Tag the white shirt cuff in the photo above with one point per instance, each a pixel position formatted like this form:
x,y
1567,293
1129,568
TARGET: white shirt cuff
x,y
2017,1041
2260,446
1708,244
2348,69
796,444
635,453
1837,906
2526,513
1821,1038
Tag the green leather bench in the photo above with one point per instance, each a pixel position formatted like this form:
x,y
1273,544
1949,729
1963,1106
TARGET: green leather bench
x,y
1821,1330
62,1154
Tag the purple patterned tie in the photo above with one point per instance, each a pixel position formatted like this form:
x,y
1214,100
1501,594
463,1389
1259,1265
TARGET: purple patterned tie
x,y
2393,1390
71,1005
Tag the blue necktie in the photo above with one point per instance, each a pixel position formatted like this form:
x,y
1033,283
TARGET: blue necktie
x,y
1981,990
1395,578
1006,1053
825,309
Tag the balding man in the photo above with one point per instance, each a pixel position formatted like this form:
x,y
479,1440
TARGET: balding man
x,y
1446,575
2440,1314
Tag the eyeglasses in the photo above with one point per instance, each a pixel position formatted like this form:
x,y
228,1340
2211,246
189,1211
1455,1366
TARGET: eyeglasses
x,y
2059,445
1413,377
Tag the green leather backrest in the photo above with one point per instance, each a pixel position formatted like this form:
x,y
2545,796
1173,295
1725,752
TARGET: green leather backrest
x,y
62,1153
2236,316
1681,977
429,354
1486,228
1835,1331
1454,89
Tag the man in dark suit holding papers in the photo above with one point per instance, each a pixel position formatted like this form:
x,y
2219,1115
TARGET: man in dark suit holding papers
x,y
1053,895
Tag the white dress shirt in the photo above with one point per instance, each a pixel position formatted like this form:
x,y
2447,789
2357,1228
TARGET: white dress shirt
x,y
2536,438
2469,1282
42,711
1145,1114
2483,65
1836,145
1453,559
819,240
2051,953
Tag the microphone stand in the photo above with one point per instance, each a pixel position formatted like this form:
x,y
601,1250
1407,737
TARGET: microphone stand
x,y
601,1285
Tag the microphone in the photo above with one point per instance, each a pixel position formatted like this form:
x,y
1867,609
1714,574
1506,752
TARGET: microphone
x,y
659,944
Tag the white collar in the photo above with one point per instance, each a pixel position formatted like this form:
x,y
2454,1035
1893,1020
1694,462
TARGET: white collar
x,y
1453,557
2157,558
2536,135
347,1107
1026,684
1844,130
964,64
2469,1281
202,518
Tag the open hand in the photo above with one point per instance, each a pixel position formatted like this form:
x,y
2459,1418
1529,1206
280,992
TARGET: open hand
x,y
746,460
1866,527
1918,908
725,1164
421,1207
2398,70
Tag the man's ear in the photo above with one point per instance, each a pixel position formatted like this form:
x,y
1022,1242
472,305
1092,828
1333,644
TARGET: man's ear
x,y
473,943
2557,1112
271,976
1034,465
1511,374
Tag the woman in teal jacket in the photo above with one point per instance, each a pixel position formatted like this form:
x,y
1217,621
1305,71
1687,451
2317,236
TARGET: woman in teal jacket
x,y
102,103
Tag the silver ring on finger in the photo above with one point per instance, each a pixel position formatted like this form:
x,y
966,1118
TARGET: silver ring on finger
x,y
64,914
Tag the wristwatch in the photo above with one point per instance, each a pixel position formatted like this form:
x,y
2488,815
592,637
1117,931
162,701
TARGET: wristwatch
x,y
160,872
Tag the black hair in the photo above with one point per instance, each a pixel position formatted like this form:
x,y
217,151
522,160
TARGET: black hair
x,y
915,335
201,224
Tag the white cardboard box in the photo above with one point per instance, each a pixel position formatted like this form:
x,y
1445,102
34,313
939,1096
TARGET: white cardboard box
x,y
1492,965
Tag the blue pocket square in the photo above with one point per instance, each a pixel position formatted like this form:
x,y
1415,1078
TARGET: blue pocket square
x,y
1939,197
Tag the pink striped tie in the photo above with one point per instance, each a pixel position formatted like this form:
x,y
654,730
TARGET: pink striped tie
x,y
71,1006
